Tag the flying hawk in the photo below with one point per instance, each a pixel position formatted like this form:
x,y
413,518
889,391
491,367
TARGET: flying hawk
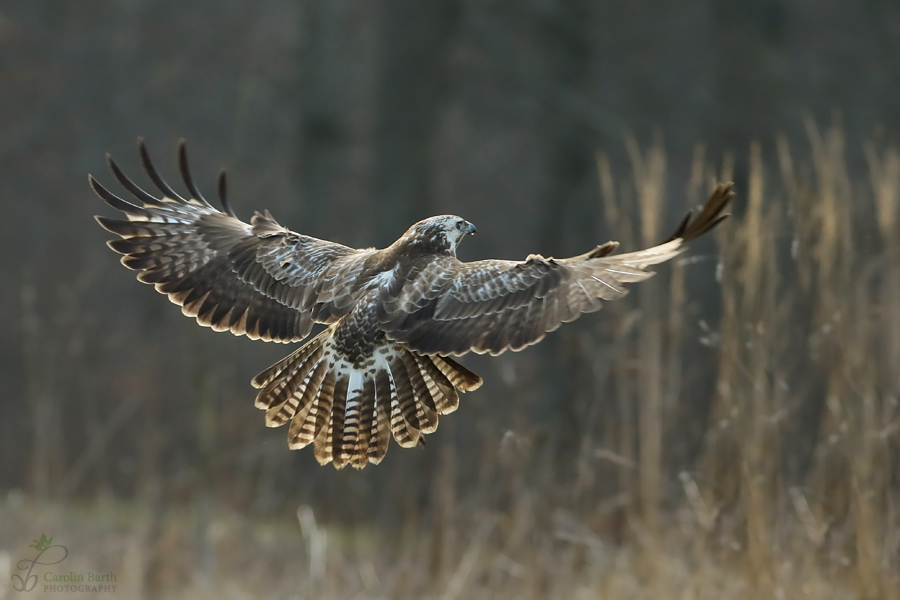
x,y
394,317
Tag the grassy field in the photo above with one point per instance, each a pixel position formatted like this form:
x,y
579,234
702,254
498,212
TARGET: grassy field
x,y
793,490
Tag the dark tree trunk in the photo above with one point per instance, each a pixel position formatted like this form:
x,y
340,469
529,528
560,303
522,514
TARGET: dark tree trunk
x,y
415,82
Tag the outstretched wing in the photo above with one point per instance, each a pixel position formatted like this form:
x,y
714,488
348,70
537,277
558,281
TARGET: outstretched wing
x,y
257,279
496,305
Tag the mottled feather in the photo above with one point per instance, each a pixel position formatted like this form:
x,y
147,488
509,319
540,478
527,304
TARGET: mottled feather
x,y
382,367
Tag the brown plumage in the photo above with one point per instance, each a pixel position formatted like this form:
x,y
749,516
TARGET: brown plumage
x,y
382,367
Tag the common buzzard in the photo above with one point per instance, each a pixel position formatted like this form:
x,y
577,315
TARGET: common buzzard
x,y
394,317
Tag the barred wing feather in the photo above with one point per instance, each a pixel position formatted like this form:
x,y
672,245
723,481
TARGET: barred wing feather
x,y
257,279
496,305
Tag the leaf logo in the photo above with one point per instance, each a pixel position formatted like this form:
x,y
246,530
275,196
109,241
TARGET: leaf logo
x,y
41,544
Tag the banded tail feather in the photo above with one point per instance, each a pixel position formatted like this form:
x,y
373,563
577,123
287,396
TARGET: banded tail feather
x,y
349,412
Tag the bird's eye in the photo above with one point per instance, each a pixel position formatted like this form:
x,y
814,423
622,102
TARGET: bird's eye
x,y
459,224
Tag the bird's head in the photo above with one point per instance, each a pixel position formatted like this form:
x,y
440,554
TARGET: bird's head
x,y
442,233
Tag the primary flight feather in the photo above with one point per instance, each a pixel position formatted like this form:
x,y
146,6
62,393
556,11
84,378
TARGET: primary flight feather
x,y
383,367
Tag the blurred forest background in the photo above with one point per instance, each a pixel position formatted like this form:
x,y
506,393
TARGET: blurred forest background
x,y
730,430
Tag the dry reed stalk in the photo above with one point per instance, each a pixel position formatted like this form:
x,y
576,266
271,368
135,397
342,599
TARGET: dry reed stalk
x,y
881,413
833,342
40,401
884,177
469,565
625,434
722,452
832,240
867,456
759,277
813,199
649,173
443,537
316,539
742,458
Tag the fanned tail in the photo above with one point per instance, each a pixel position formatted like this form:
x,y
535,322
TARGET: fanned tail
x,y
349,413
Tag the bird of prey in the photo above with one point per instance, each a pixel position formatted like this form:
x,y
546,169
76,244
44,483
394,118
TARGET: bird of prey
x,y
395,317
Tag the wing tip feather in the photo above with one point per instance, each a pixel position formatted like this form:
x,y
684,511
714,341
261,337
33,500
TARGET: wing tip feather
x,y
709,216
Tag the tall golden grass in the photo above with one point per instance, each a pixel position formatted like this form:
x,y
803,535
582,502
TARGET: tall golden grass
x,y
794,492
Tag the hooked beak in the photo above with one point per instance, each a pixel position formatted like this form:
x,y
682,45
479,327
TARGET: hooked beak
x,y
470,228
